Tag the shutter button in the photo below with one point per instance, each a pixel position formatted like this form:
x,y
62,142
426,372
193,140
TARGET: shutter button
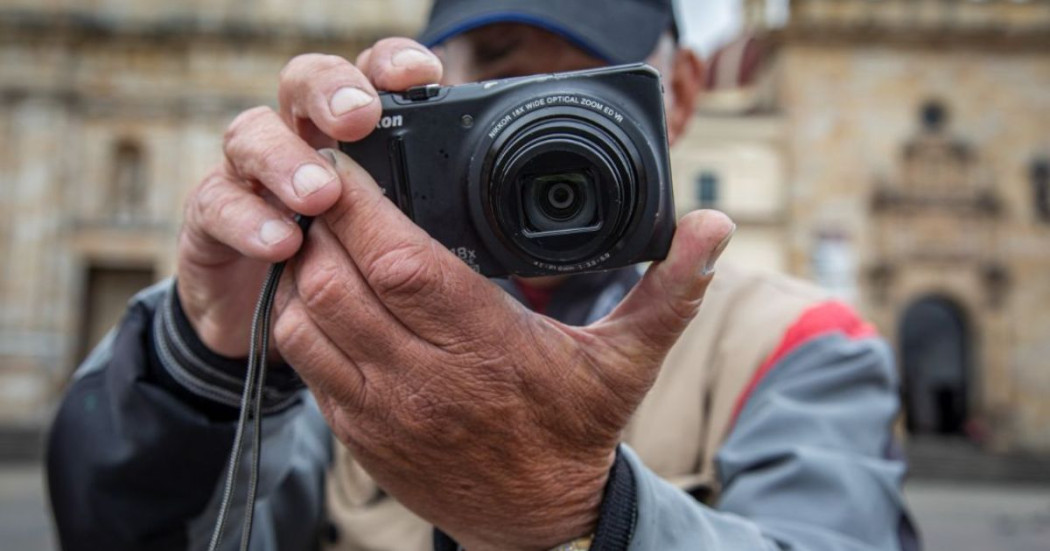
x,y
422,93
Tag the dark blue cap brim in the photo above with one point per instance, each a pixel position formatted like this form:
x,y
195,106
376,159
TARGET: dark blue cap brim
x,y
626,34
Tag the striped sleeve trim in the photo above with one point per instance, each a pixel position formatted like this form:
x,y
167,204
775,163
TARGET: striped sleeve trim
x,y
206,374
824,319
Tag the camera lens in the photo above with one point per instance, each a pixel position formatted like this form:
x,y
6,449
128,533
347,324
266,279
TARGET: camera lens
x,y
560,196
561,189
559,201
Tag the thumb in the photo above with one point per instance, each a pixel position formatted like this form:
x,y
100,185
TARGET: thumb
x,y
652,316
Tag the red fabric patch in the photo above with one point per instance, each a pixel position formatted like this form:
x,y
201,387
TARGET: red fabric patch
x,y
537,298
819,321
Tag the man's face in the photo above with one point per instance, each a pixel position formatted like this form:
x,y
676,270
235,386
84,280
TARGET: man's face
x,y
505,50
509,50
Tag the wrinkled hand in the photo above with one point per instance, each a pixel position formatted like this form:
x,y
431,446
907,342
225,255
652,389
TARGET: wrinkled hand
x,y
494,423
239,219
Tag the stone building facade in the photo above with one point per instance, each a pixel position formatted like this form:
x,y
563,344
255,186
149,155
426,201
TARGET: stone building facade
x,y
109,113
822,138
918,128
915,140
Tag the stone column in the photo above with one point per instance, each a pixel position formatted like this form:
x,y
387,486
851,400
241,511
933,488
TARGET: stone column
x,y
35,302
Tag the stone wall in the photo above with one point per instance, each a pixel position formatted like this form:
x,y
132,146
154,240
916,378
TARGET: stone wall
x,y
82,81
850,108
79,81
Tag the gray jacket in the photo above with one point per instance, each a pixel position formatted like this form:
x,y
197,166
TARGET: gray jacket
x,y
806,461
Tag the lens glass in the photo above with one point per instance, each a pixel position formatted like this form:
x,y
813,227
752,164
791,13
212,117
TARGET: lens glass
x,y
560,201
560,189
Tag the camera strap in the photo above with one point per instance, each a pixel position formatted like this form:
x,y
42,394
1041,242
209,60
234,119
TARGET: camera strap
x,y
251,407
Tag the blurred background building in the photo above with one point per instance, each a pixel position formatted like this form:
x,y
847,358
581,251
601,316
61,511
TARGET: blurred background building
x,y
895,151
110,112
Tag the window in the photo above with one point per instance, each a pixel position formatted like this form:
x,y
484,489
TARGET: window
x,y
127,192
934,115
707,184
835,263
1041,189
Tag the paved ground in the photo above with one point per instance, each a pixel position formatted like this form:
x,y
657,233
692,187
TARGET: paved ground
x,y
24,521
981,517
951,515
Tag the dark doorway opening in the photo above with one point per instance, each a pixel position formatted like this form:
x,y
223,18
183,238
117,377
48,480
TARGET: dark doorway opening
x,y
935,357
107,290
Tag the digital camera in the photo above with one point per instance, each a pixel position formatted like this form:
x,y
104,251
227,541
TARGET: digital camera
x,y
548,174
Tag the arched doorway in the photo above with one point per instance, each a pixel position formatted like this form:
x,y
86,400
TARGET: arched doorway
x,y
935,356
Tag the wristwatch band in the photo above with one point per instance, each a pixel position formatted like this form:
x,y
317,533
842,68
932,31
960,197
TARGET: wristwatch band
x,y
580,544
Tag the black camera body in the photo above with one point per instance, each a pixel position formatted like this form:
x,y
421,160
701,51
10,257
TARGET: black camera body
x,y
539,175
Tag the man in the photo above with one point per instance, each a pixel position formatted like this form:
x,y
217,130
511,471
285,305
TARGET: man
x,y
454,406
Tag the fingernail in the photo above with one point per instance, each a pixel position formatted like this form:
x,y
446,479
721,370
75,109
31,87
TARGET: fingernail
x,y
345,100
411,56
329,156
274,231
709,266
310,178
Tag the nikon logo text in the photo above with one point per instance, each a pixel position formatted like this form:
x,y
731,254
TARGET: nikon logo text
x,y
390,122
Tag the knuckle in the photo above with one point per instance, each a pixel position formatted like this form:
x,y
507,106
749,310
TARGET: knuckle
x,y
320,285
679,313
302,61
269,161
212,201
243,124
247,118
668,323
337,72
224,210
262,152
270,148
674,312
191,207
289,330
407,270
302,69
363,57
199,206
354,202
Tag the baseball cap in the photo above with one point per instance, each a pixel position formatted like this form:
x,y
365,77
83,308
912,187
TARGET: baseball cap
x,y
616,31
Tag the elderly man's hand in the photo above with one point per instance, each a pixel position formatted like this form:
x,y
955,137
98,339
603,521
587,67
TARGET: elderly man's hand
x,y
238,220
496,424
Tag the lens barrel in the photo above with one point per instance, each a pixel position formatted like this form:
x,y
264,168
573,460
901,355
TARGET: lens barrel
x,y
561,188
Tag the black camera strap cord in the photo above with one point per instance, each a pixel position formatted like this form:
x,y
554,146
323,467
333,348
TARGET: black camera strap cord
x,y
251,406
